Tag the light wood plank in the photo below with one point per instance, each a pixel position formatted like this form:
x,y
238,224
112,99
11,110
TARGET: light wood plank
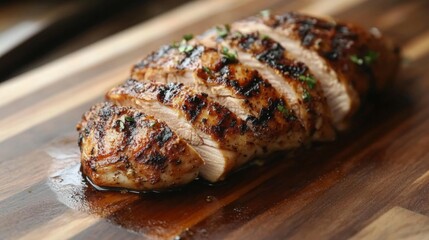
x,y
397,14
329,7
397,223
58,104
62,227
123,42
417,47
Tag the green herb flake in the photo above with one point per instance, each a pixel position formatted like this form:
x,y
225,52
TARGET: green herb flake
x,y
223,31
370,57
265,13
264,37
237,35
188,37
311,82
356,59
306,96
284,111
207,70
367,60
129,119
186,48
230,56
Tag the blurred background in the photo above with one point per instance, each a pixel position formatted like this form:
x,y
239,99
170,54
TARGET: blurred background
x,y
33,32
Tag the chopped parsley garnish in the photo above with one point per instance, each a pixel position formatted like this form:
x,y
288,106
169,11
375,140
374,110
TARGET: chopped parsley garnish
x,y
368,59
183,46
237,35
230,56
286,113
265,13
306,96
186,48
311,82
207,70
129,119
264,37
223,31
188,37
121,122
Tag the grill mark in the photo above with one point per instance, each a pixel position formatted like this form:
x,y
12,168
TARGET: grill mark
x,y
227,122
193,105
265,114
154,159
165,135
271,53
169,91
191,58
153,57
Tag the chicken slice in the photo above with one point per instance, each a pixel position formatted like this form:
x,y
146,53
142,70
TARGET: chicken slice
x,y
123,147
237,87
342,57
300,87
311,106
223,140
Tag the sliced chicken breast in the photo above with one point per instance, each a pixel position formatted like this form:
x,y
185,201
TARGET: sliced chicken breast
x,y
239,88
221,139
299,86
123,147
238,91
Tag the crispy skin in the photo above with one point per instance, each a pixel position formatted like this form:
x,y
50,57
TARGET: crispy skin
x,y
122,147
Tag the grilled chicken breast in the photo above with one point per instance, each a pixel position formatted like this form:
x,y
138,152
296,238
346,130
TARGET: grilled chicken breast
x,y
209,104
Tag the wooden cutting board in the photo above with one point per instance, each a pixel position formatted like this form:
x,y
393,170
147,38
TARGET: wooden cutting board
x,y
372,183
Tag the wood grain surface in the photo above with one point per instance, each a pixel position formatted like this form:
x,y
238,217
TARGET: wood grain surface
x,y
372,183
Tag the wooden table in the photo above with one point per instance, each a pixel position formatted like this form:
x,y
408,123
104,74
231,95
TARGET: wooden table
x,y
372,183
